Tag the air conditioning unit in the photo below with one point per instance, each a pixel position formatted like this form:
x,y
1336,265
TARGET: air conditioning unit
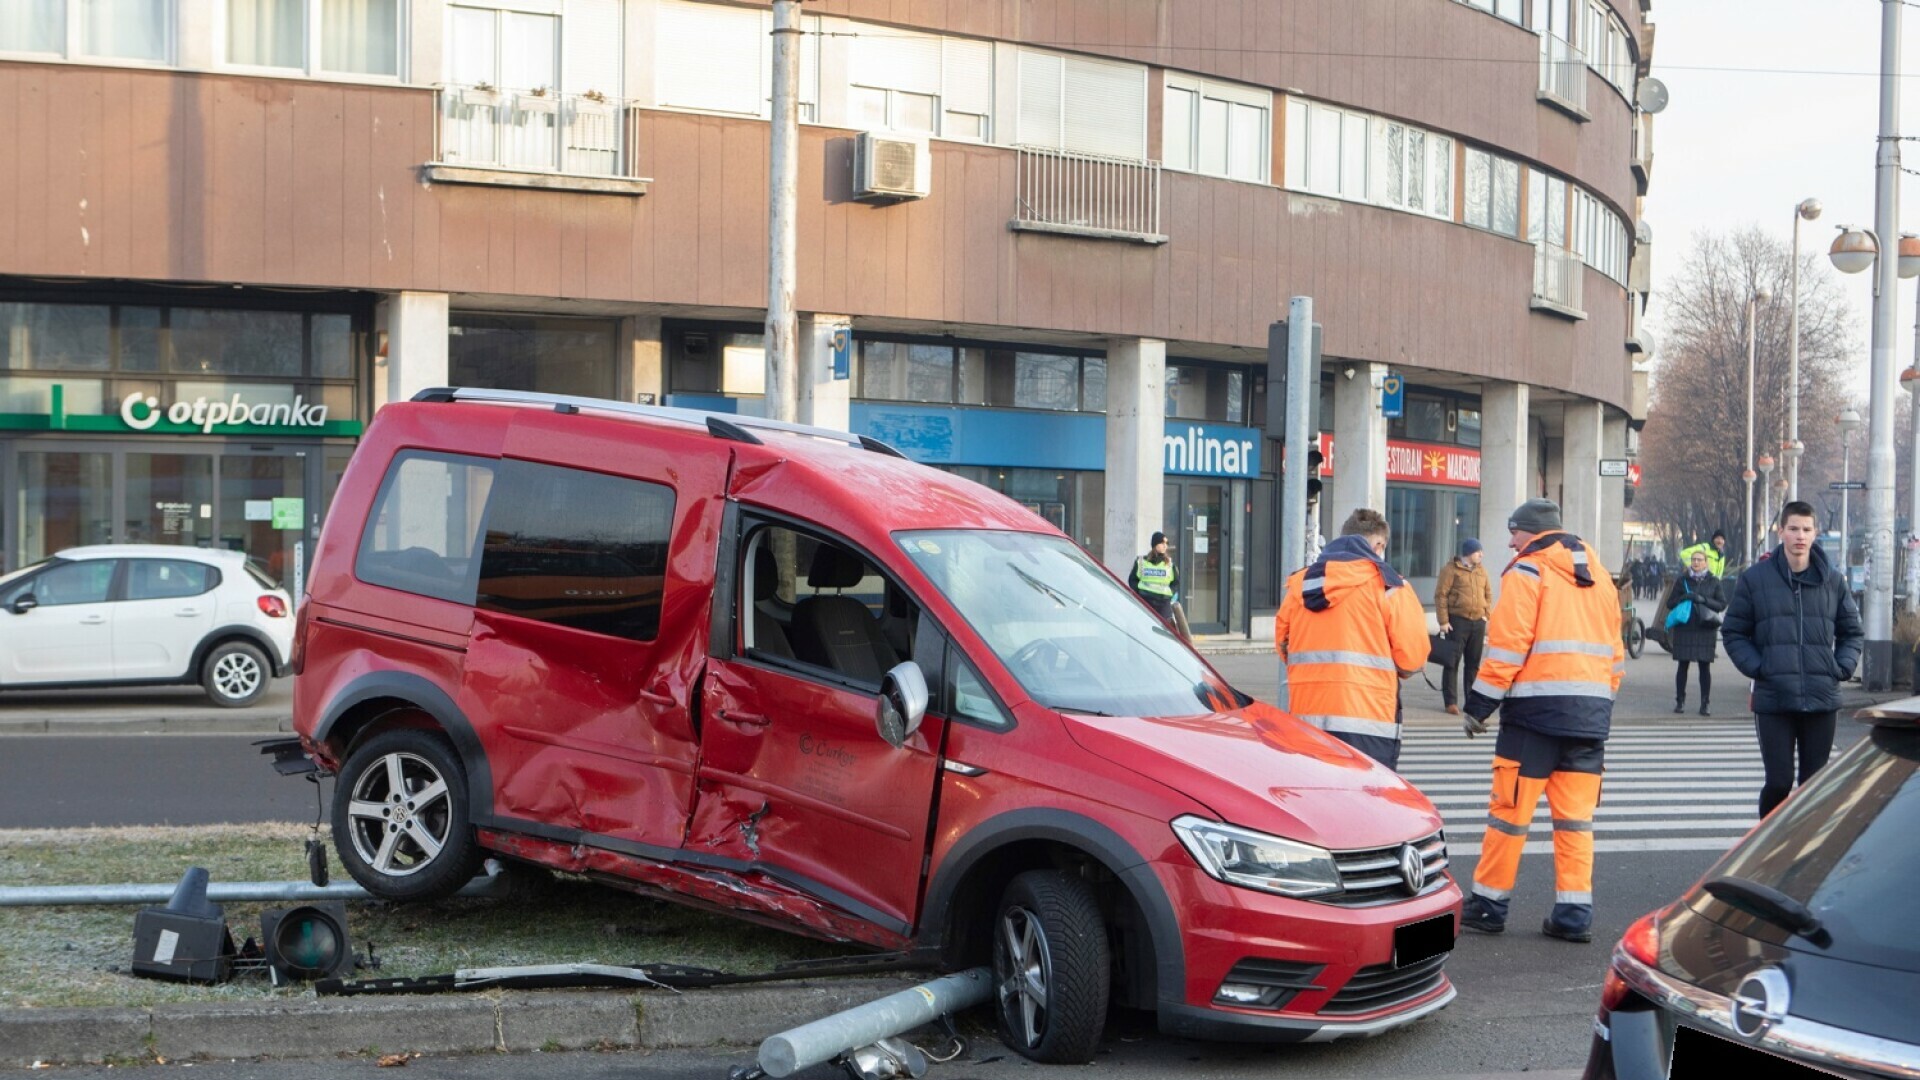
x,y
887,167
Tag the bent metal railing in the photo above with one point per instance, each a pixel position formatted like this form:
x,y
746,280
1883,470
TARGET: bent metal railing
x,y
1087,195
533,131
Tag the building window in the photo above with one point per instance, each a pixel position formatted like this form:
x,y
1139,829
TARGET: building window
x,y
1599,236
1466,426
1547,210
715,58
1082,106
898,371
921,83
522,352
349,37
1326,150
136,30
1492,195
1217,129
1412,169
1206,393
1509,10
1604,39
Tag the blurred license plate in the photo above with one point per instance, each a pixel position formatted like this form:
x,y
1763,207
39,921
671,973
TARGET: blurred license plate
x,y
1422,940
1701,1053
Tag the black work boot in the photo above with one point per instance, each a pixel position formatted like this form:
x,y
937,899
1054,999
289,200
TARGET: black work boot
x,y
1680,704
1703,708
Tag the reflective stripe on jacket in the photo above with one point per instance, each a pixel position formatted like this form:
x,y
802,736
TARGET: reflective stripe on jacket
x,y
1154,579
1554,653
1343,662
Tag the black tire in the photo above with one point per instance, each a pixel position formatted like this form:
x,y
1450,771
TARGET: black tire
x,y
1052,967
1636,638
235,674
408,845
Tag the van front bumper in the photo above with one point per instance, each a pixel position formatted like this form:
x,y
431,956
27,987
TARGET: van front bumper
x,y
1341,958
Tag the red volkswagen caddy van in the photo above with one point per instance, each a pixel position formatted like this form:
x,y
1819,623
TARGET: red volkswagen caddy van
x,y
787,674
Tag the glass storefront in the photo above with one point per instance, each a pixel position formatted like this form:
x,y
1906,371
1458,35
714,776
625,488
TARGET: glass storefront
x,y
541,353
137,419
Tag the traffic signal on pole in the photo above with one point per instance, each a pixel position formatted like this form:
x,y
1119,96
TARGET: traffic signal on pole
x,y
1279,371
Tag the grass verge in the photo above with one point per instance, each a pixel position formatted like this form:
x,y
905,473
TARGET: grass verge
x,y
80,955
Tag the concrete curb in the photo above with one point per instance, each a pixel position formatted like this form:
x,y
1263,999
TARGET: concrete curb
x,y
121,724
486,1021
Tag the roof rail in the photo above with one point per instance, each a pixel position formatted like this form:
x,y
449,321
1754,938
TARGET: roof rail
x,y
731,426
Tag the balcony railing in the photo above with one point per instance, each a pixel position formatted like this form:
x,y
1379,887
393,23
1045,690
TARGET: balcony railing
x,y
1563,74
1087,195
1642,149
1559,276
528,131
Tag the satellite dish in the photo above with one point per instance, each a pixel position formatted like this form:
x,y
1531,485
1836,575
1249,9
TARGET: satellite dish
x,y
1643,232
1652,95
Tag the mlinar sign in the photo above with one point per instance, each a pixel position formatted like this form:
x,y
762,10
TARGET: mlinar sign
x,y
142,411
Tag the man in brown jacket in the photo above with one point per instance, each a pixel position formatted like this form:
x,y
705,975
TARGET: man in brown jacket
x,y
1461,600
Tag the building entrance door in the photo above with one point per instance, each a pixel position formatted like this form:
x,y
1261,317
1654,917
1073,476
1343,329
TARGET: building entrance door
x,y
259,499
1196,513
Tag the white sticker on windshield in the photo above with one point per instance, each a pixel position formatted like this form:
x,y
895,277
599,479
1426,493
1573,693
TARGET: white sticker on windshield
x,y
929,547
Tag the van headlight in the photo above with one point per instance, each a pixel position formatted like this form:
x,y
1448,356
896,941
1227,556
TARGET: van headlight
x,y
1257,861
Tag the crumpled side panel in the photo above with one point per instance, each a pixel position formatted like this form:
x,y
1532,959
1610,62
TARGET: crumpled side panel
x,y
747,895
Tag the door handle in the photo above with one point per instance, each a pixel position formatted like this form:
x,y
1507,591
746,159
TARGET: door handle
x,y
753,720
188,613
663,700
94,620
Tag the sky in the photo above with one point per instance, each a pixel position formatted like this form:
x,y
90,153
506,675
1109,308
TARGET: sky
x,y
1772,102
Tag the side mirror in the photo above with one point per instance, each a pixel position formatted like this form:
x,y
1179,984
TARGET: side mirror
x,y
903,704
23,605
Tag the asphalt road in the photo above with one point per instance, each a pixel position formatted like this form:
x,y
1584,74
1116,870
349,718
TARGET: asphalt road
x,y
1525,1003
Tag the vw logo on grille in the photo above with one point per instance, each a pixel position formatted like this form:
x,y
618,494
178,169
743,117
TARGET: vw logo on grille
x,y
1413,869
1760,1003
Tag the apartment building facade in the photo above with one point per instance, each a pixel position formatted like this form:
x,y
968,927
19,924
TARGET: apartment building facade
x,y
1041,243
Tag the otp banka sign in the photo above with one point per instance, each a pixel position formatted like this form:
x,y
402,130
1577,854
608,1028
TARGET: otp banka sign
x,y
1210,450
142,412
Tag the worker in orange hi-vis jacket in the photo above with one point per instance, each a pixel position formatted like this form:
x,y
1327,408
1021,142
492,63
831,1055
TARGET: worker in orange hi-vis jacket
x,y
1553,666
1350,629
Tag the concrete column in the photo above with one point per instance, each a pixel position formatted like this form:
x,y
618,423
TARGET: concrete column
x,y
1580,428
824,400
1359,440
413,327
1136,430
1506,475
1612,543
642,372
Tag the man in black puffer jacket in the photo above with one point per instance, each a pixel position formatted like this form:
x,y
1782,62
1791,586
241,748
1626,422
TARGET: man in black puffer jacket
x,y
1794,630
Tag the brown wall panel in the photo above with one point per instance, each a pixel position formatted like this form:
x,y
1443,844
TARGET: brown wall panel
x,y
279,182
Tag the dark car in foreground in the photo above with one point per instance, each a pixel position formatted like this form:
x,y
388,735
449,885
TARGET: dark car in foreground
x,y
1800,950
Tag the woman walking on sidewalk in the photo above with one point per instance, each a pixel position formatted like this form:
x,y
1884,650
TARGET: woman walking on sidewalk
x,y
1692,641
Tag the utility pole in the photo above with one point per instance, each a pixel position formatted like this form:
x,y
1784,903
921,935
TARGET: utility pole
x,y
783,360
1877,666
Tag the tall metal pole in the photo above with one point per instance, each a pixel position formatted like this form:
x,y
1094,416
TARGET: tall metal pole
x,y
1876,672
1791,452
1296,466
783,360
1911,378
1746,462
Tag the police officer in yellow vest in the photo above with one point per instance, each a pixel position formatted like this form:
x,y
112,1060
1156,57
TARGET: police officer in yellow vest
x,y
1155,579
1715,550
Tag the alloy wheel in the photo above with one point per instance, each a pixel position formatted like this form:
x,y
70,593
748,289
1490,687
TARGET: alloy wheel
x,y
237,675
400,814
1025,969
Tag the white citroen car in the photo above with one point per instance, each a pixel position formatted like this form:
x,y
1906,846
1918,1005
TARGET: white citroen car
x,y
152,614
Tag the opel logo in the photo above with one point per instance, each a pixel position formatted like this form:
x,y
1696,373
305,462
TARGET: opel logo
x,y
1413,869
1760,1003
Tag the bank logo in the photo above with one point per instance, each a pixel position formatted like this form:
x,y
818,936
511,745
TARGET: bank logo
x,y
141,412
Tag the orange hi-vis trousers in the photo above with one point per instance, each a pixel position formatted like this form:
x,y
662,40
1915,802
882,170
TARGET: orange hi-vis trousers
x,y
1527,765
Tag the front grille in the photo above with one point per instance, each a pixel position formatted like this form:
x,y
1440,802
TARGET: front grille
x,y
1383,986
1372,875
1280,979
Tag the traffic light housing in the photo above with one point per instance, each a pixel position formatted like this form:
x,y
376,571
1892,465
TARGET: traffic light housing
x,y
305,943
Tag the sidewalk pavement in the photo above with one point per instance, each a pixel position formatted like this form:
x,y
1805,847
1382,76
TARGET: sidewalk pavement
x,y
526,1021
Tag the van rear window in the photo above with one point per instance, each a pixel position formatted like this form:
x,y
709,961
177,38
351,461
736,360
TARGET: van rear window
x,y
423,536
578,549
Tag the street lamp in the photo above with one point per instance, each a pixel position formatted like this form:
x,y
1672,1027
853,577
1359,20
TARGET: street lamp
x,y
1849,422
1808,210
1766,490
1761,294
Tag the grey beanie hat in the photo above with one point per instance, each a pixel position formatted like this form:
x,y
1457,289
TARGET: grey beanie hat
x,y
1535,516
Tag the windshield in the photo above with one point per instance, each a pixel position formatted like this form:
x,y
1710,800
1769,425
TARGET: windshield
x,y
1074,638
1843,846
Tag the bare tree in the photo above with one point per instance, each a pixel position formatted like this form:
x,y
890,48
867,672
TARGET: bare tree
x,y
1692,448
